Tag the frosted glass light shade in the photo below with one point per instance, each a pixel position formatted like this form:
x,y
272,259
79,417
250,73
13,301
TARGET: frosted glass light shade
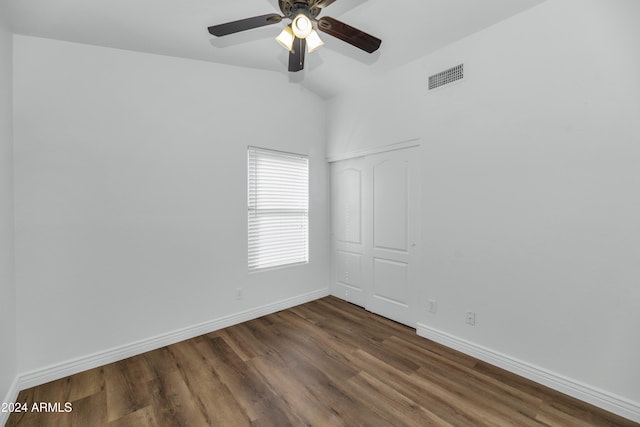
x,y
302,26
313,41
286,38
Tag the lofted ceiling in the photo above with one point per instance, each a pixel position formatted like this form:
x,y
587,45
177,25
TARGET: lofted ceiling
x,y
408,30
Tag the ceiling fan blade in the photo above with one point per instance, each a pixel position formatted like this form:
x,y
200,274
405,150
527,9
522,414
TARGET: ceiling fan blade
x,y
244,24
296,56
347,33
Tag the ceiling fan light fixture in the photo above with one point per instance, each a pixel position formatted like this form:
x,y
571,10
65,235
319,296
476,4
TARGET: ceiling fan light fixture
x,y
313,41
302,30
302,26
286,38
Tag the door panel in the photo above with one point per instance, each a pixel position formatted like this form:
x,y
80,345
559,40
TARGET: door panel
x,y
394,250
375,229
347,230
390,204
391,283
349,269
349,205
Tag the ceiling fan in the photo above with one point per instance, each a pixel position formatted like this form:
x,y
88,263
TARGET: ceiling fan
x,y
300,34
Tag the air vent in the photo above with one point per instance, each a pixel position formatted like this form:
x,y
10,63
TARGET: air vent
x,y
447,76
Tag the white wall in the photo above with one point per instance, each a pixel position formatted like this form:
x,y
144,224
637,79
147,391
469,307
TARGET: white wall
x,y
131,194
530,185
7,283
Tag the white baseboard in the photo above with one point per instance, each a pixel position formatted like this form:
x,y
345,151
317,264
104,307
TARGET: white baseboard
x,y
584,392
11,396
74,366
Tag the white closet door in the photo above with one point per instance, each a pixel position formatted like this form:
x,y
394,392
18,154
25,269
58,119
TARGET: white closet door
x,y
347,230
393,211
380,271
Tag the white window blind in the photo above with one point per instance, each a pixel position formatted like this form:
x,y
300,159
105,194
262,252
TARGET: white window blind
x,y
278,208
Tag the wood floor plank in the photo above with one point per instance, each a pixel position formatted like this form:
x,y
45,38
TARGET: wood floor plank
x,y
477,400
437,399
517,399
420,354
212,398
503,399
236,344
243,381
298,393
322,352
124,396
90,410
144,417
393,405
173,402
323,363
161,361
86,384
592,415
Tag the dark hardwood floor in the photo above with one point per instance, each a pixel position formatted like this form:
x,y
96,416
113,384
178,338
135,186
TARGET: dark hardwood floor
x,y
325,363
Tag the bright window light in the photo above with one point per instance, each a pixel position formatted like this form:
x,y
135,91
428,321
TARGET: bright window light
x,y
278,209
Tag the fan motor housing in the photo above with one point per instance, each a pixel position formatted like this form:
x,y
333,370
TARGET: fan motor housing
x,y
291,8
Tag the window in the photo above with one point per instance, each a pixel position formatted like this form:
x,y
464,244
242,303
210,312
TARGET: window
x,y
278,208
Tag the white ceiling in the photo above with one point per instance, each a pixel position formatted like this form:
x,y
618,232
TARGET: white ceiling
x,y
408,31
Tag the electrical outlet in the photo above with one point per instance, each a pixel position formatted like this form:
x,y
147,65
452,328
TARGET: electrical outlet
x,y
346,293
471,318
433,306
239,293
